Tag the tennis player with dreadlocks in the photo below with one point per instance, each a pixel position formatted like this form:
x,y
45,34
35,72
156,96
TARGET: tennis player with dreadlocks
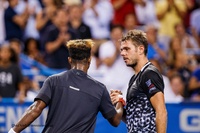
x,y
73,97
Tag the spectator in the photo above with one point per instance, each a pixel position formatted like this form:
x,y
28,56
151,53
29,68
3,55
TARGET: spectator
x,y
145,12
194,85
156,50
98,15
45,18
165,11
15,23
28,66
10,75
34,7
32,49
177,89
30,84
113,63
76,23
179,62
16,45
121,9
187,40
130,22
57,35
178,58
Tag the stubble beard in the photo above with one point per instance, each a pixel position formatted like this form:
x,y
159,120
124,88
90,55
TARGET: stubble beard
x,y
133,65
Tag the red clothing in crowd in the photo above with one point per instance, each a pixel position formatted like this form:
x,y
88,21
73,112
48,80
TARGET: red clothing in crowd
x,y
120,13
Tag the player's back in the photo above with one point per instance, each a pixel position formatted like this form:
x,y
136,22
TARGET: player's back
x,y
75,101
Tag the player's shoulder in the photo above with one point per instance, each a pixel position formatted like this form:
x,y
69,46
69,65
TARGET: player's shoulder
x,y
96,82
151,70
57,76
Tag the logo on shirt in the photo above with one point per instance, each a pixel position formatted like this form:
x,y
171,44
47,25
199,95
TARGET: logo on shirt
x,y
5,78
148,82
150,86
74,88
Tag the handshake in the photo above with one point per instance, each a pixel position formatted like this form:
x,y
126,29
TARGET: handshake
x,y
116,96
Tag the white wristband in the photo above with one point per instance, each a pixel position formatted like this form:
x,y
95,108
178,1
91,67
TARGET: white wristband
x,y
120,96
11,131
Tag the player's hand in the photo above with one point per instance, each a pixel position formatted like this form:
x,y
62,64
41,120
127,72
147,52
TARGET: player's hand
x,y
116,91
115,95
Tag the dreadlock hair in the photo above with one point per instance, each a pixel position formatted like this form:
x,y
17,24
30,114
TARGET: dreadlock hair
x,y
80,50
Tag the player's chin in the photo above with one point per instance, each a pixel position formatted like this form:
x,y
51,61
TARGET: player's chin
x,y
126,61
128,64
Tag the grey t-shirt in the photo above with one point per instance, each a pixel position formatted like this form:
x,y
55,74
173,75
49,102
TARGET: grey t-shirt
x,y
74,100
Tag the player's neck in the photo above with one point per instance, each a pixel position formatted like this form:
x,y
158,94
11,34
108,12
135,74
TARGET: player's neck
x,y
140,65
81,67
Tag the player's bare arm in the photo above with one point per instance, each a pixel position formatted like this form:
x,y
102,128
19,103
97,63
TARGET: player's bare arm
x,y
115,96
29,116
115,121
158,104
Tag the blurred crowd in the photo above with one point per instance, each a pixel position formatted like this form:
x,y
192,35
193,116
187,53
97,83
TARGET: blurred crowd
x,y
37,31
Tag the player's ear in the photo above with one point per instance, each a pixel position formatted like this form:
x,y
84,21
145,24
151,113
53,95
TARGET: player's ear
x,y
141,49
70,60
89,60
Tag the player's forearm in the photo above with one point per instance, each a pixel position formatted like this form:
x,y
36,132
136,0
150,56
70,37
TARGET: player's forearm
x,y
161,121
29,116
119,103
120,109
118,117
124,116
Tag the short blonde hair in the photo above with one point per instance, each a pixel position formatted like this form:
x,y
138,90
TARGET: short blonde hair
x,y
137,36
80,49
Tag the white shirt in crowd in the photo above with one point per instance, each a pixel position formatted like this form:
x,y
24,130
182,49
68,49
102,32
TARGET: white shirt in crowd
x,y
147,14
99,25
